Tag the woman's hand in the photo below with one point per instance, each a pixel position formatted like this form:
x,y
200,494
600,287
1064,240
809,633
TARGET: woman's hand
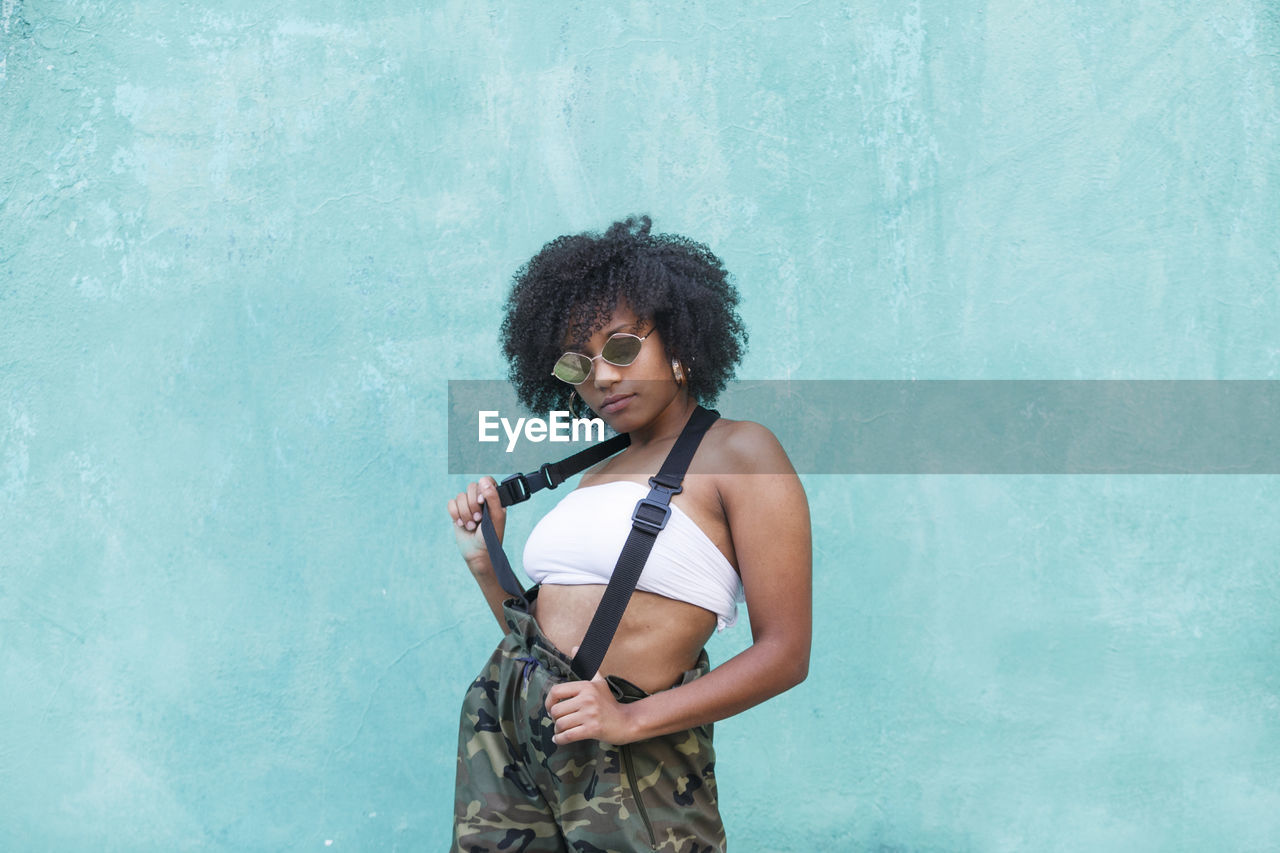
x,y
465,512
586,710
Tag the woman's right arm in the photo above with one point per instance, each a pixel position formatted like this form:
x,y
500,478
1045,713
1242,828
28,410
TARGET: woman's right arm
x,y
465,512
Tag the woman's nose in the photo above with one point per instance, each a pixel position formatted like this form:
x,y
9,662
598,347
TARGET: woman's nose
x,y
605,373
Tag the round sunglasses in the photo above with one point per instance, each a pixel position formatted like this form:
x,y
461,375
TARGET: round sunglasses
x,y
620,349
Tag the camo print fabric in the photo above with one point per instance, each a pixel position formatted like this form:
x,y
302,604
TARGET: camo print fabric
x,y
517,792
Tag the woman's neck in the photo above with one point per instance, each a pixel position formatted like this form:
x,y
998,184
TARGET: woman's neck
x,y
667,424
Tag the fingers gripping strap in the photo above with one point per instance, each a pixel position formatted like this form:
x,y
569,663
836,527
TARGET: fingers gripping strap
x,y
648,520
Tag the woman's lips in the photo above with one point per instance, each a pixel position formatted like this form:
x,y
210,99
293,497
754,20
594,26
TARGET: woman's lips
x,y
617,405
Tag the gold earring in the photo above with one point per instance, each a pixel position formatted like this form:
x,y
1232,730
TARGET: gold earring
x,y
573,395
677,372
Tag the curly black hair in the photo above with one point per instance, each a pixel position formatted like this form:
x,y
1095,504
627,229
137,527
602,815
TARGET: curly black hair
x,y
575,283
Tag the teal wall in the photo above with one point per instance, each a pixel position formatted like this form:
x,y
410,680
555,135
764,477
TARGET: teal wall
x,y
244,245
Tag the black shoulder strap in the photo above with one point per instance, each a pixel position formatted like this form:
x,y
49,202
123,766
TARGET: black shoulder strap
x,y
518,488
649,517
647,520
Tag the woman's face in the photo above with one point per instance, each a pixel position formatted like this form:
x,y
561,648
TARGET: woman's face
x,y
631,396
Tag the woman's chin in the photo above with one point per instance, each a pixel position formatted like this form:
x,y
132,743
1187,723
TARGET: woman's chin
x,y
623,421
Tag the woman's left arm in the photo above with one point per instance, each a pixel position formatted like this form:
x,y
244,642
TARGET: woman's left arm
x,y
768,517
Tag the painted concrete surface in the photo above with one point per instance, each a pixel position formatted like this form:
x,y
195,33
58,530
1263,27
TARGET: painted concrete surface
x,y
243,246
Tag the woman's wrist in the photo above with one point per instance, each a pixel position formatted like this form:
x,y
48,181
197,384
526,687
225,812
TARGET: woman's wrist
x,y
635,723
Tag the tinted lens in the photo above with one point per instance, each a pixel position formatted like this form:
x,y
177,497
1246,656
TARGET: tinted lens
x,y
621,349
572,368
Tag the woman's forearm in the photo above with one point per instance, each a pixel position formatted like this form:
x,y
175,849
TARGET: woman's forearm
x,y
758,673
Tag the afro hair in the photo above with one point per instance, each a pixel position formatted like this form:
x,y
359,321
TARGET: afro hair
x,y
573,285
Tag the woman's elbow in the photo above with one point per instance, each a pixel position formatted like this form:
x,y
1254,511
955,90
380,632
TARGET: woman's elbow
x,y
802,672
796,672
788,664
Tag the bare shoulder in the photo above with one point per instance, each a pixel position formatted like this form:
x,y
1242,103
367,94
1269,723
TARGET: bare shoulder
x,y
763,500
747,447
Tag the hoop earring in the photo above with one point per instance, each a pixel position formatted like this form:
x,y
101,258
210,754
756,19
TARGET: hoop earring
x,y
573,395
677,372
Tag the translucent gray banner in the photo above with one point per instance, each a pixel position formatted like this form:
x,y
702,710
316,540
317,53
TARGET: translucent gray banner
x,y
935,426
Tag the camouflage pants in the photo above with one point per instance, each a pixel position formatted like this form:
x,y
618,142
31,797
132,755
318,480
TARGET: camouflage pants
x,y
517,792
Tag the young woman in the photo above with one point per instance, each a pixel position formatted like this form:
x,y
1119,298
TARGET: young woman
x,y
642,328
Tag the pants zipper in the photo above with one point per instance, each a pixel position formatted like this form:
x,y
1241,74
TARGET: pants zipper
x,y
635,793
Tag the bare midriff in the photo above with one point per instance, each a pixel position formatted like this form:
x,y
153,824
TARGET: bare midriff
x,y
657,640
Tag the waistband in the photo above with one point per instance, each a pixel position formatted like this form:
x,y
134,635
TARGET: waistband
x,y
522,628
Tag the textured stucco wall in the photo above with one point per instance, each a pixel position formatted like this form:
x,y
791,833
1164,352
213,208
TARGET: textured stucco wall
x,y
243,246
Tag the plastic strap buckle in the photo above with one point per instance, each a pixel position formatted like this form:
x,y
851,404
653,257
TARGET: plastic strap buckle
x,y
518,488
545,471
670,489
653,523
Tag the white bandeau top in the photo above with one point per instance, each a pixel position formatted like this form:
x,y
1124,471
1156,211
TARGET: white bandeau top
x,y
579,540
